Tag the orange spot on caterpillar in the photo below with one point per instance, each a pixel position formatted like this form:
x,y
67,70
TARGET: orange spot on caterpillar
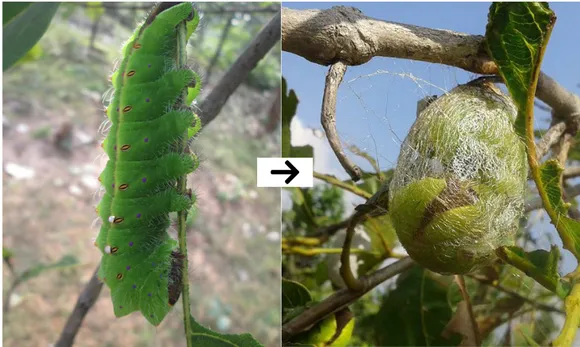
x,y
137,45
127,108
119,276
123,186
114,250
99,179
95,244
118,220
125,147
131,73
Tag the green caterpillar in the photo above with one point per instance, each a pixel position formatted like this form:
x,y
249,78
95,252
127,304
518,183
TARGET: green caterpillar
x,y
141,263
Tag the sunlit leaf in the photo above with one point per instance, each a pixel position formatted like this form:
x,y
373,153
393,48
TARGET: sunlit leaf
x,y
516,38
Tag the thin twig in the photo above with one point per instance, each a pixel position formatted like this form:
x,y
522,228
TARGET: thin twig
x,y
565,105
342,298
218,51
310,252
328,118
86,300
13,286
182,189
328,231
8,295
346,272
563,148
463,288
550,139
346,186
537,305
571,172
536,203
542,107
570,328
357,151
239,71
573,212
301,241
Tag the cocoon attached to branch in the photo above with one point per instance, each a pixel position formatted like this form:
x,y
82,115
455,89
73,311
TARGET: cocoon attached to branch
x,y
458,189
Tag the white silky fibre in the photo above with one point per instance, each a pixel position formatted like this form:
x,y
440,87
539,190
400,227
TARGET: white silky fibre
x,y
458,189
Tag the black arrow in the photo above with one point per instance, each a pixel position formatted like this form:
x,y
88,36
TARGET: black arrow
x,y
293,172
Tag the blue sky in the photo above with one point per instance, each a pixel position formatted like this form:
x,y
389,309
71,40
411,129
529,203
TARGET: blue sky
x,y
375,113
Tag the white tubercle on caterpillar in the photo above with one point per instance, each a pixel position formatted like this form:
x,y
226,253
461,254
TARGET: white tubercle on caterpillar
x,y
108,249
111,219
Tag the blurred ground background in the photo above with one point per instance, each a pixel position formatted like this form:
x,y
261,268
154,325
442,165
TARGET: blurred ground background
x,y
52,110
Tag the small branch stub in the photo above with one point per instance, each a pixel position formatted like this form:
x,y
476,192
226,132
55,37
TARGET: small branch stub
x,y
328,118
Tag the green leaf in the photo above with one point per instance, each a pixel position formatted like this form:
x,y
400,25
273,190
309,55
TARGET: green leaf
x,y
23,28
550,173
302,152
321,273
524,330
370,181
382,233
294,294
383,239
414,313
516,36
368,262
66,261
12,9
33,54
202,336
568,228
302,205
289,106
541,265
454,296
335,330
